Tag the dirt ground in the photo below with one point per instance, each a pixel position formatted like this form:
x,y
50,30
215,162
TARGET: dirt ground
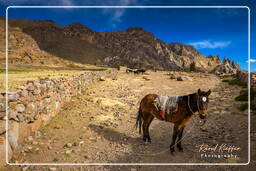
x,y
98,127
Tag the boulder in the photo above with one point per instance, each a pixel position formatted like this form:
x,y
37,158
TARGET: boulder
x,y
183,78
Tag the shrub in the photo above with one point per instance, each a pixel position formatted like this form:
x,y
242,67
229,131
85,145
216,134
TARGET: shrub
x,y
238,82
244,106
193,66
243,96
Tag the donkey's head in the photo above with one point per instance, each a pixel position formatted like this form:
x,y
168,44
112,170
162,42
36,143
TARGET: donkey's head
x,y
202,102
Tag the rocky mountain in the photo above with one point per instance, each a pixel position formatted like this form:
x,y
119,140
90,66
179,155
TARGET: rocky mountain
x,y
134,47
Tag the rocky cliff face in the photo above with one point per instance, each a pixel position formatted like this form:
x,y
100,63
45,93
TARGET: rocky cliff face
x,y
134,47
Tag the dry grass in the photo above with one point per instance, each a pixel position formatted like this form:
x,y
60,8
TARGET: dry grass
x,y
19,76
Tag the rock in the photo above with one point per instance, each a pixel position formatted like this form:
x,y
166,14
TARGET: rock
x,y
81,143
30,148
12,114
57,127
75,144
146,78
20,117
34,142
2,115
2,106
30,138
173,76
102,79
68,145
184,78
13,97
49,147
20,108
92,139
52,168
68,152
30,108
38,134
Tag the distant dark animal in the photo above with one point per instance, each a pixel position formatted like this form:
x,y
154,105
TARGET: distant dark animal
x,y
139,71
187,106
135,71
129,70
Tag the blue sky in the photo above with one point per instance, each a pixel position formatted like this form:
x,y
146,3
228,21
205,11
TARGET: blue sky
x,y
214,31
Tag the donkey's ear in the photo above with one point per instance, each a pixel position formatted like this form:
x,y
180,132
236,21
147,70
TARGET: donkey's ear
x,y
209,92
199,91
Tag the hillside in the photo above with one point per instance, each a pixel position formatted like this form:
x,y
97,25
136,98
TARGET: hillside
x,y
47,43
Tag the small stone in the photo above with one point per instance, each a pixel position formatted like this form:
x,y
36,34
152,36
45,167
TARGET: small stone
x,y
13,97
68,145
20,118
52,169
102,79
30,138
34,142
92,139
183,78
68,152
20,108
57,127
75,144
30,148
173,76
81,143
49,147
146,78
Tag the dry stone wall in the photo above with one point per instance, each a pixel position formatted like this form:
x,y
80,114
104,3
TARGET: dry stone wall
x,y
35,103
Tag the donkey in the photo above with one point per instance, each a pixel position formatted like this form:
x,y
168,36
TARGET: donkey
x,y
188,105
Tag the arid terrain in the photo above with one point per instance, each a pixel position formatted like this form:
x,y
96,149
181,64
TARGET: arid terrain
x,y
98,127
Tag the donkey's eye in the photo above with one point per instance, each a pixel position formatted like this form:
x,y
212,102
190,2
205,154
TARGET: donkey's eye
x,y
204,99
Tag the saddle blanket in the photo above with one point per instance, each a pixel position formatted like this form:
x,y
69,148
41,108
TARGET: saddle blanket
x,y
166,104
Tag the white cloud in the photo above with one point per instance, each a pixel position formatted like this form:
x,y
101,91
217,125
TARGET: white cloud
x,y
210,44
117,13
252,61
67,2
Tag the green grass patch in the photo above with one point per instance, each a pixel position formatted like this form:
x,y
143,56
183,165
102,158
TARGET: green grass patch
x,y
19,70
243,96
244,106
238,82
225,81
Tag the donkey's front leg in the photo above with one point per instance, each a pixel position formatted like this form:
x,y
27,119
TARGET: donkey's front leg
x,y
179,140
174,136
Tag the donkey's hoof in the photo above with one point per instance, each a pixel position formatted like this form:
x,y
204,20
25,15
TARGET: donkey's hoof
x,y
149,140
180,149
172,150
144,139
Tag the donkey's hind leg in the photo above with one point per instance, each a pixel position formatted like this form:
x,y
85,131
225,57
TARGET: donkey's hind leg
x,y
146,123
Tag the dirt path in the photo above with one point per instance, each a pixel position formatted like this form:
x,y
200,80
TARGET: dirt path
x,y
98,126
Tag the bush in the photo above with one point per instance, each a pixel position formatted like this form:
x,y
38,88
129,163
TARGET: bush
x,y
193,66
238,82
225,81
243,96
244,106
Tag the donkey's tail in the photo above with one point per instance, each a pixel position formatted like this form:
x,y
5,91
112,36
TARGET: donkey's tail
x,y
139,121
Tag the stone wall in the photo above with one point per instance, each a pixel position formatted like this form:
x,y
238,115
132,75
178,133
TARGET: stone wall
x,y
35,103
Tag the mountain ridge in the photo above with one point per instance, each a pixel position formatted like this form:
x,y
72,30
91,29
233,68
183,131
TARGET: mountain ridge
x,y
133,47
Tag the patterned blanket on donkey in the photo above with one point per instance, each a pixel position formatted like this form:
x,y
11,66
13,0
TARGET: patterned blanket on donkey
x,y
166,104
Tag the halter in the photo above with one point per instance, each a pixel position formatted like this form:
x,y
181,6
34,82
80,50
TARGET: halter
x,y
197,102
